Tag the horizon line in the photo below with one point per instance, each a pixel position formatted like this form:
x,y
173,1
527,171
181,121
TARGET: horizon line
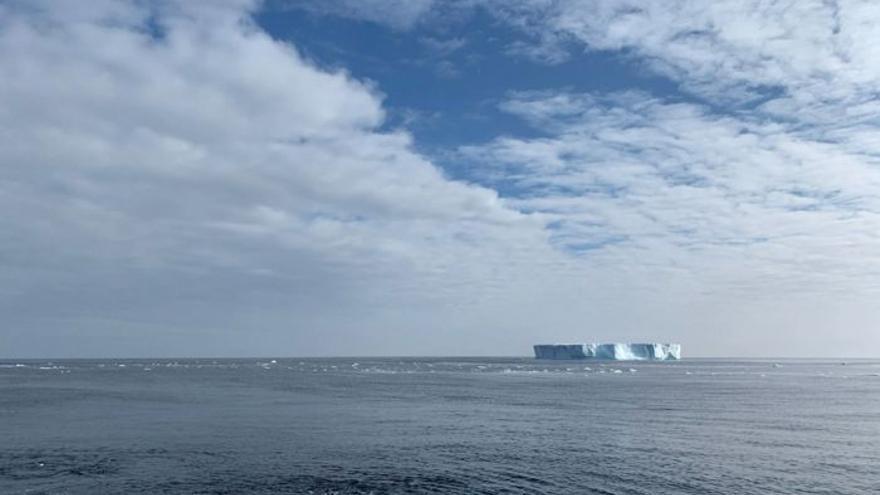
x,y
414,356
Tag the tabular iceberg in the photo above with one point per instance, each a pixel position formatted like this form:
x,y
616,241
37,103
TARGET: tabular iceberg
x,y
618,352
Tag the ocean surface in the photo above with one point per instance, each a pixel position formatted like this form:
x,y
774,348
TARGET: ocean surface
x,y
439,425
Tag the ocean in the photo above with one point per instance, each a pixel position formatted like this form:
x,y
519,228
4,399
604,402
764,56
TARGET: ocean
x,y
439,425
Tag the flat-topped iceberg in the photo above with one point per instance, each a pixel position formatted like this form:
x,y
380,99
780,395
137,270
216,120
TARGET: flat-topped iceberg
x,y
618,352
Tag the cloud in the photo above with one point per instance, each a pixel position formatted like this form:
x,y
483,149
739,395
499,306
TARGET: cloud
x,y
763,190
175,181
443,47
170,168
721,210
740,201
741,52
446,69
814,52
397,14
438,50
547,50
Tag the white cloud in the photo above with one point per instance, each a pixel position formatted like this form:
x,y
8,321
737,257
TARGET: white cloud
x,y
673,198
443,47
212,177
547,50
662,161
398,14
446,69
174,181
766,194
815,51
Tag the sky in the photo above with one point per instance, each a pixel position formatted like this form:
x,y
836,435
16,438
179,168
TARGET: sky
x,y
426,177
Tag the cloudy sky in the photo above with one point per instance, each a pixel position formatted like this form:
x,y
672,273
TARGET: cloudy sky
x,y
389,177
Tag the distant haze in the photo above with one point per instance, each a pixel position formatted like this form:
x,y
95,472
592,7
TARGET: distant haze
x,y
240,178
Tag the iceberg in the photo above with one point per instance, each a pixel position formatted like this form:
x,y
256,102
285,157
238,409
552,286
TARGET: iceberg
x,y
616,352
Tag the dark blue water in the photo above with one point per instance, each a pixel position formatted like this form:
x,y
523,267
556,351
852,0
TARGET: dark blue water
x,y
340,426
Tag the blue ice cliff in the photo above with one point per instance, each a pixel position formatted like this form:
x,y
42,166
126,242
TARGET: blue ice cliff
x,y
618,352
